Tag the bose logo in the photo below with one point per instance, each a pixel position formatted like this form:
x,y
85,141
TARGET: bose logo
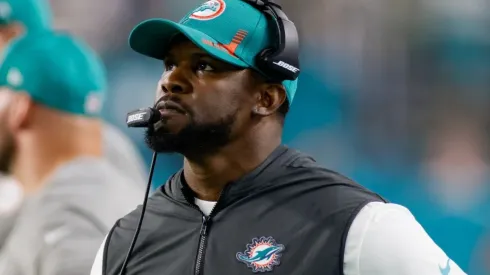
x,y
286,66
135,117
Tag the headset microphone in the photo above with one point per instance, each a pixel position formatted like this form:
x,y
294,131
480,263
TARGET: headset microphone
x,y
142,118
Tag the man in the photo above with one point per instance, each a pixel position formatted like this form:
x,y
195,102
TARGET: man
x,y
18,17
243,203
51,89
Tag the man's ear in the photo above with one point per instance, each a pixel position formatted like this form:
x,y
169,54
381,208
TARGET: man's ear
x,y
17,29
20,111
269,99
11,31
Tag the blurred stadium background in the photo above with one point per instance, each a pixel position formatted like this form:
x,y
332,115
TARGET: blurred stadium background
x,y
394,94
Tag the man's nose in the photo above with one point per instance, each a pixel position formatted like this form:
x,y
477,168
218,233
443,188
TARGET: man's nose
x,y
175,81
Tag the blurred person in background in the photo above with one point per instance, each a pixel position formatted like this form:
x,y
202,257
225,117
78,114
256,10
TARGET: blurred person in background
x,y
52,89
18,17
457,171
451,196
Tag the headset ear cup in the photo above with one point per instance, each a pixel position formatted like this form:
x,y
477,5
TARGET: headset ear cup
x,y
264,54
263,58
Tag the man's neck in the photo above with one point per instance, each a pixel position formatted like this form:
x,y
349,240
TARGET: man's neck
x,y
207,176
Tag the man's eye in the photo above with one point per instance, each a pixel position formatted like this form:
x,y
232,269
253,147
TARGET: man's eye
x,y
204,66
169,66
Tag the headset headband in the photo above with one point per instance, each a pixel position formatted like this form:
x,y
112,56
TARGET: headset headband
x,y
281,62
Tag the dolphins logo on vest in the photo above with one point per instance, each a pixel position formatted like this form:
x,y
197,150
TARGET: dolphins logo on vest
x,y
262,254
209,10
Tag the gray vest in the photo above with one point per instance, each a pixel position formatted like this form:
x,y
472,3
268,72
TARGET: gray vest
x,y
289,216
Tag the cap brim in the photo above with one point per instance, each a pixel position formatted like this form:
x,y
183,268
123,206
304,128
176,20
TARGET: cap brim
x,y
153,37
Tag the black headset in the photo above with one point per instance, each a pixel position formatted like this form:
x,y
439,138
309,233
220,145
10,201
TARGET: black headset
x,y
282,61
278,63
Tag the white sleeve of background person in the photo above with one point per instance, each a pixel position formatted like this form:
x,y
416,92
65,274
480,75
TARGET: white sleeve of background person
x,y
385,239
121,152
99,258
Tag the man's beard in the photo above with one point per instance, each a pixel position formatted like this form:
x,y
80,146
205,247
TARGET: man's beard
x,y
7,152
194,139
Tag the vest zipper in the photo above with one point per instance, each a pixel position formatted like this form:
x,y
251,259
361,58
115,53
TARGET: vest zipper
x,y
202,244
206,221
203,238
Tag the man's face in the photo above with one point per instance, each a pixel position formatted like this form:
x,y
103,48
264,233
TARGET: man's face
x,y
205,103
7,145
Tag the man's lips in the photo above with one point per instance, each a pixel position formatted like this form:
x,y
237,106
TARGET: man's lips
x,y
169,107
